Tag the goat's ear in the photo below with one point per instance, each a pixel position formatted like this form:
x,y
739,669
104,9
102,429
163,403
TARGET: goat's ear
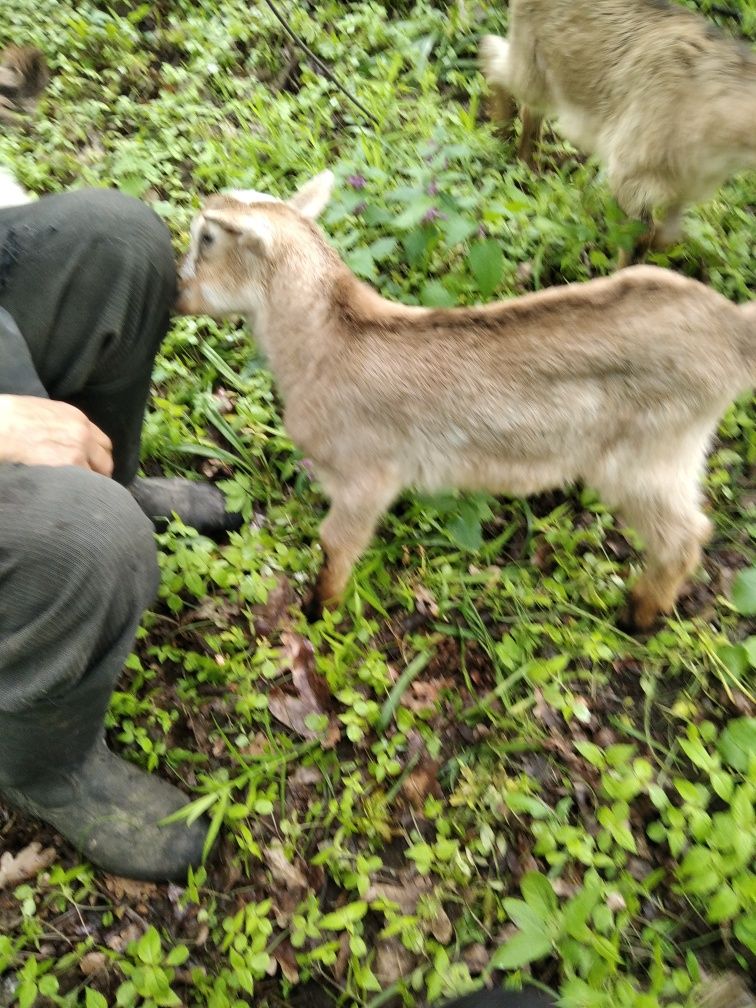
x,y
314,195
249,229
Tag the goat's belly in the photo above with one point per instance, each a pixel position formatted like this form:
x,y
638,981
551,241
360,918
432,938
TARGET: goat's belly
x,y
500,475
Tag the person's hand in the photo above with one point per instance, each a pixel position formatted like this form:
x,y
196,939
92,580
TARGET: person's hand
x,y
37,431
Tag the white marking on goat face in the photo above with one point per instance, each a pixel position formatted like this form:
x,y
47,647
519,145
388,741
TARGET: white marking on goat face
x,y
222,272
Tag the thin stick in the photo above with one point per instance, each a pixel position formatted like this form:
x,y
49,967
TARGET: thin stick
x,y
325,70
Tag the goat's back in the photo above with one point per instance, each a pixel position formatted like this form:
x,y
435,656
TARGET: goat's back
x,y
548,380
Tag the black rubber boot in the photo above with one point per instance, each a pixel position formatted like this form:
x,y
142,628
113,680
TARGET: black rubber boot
x,y
108,809
199,505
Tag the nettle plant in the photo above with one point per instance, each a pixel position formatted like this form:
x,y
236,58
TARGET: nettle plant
x,y
710,826
150,972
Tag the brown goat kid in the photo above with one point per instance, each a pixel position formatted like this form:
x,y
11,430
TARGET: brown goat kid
x,y
665,100
619,382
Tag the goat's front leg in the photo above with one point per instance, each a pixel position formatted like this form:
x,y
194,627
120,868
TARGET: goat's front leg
x,y
346,532
641,244
668,230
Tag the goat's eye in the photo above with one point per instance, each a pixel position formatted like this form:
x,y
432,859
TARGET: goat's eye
x,y
206,240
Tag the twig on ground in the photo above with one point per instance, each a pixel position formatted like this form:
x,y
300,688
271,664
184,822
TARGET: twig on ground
x,y
325,70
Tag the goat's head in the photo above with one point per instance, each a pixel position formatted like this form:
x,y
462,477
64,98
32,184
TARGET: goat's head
x,y
243,241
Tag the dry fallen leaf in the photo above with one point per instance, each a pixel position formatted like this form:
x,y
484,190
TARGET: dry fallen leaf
x,y
724,990
282,870
304,778
423,694
137,892
441,927
422,782
118,940
342,958
291,885
225,400
27,864
405,895
274,612
476,957
426,601
93,962
311,694
284,956
392,962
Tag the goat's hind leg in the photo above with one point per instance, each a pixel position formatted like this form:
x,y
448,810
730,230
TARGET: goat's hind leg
x,y
494,62
674,529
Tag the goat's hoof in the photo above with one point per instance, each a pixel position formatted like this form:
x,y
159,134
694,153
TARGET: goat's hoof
x,y
625,621
638,618
312,607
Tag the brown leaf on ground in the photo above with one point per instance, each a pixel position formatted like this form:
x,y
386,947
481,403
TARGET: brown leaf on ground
x,y
304,778
476,958
423,694
284,955
225,399
140,893
405,894
724,990
564,888
118,940
217,610
392,961
426,602
342,957
441,927
422,782
283,871
93,962
273,614
291,885
27,864
311,694
256,746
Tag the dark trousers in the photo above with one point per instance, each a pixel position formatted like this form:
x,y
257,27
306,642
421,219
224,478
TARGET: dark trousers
x,y
88,278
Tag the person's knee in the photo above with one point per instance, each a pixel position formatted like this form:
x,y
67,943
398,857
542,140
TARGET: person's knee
x,y
130,230
111,535
99,539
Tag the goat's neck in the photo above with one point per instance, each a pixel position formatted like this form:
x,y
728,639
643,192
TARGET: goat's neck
x,y
294,332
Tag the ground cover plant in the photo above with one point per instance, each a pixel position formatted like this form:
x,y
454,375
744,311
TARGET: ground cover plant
x,y
468,772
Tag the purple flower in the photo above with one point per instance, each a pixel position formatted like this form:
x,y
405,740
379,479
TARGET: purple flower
x,y
356,181
433,188
360,208
433,214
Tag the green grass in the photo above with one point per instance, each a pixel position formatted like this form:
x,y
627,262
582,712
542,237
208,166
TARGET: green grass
x,y
490,727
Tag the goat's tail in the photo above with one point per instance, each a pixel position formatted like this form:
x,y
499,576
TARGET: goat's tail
x,y
494,60
749,342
